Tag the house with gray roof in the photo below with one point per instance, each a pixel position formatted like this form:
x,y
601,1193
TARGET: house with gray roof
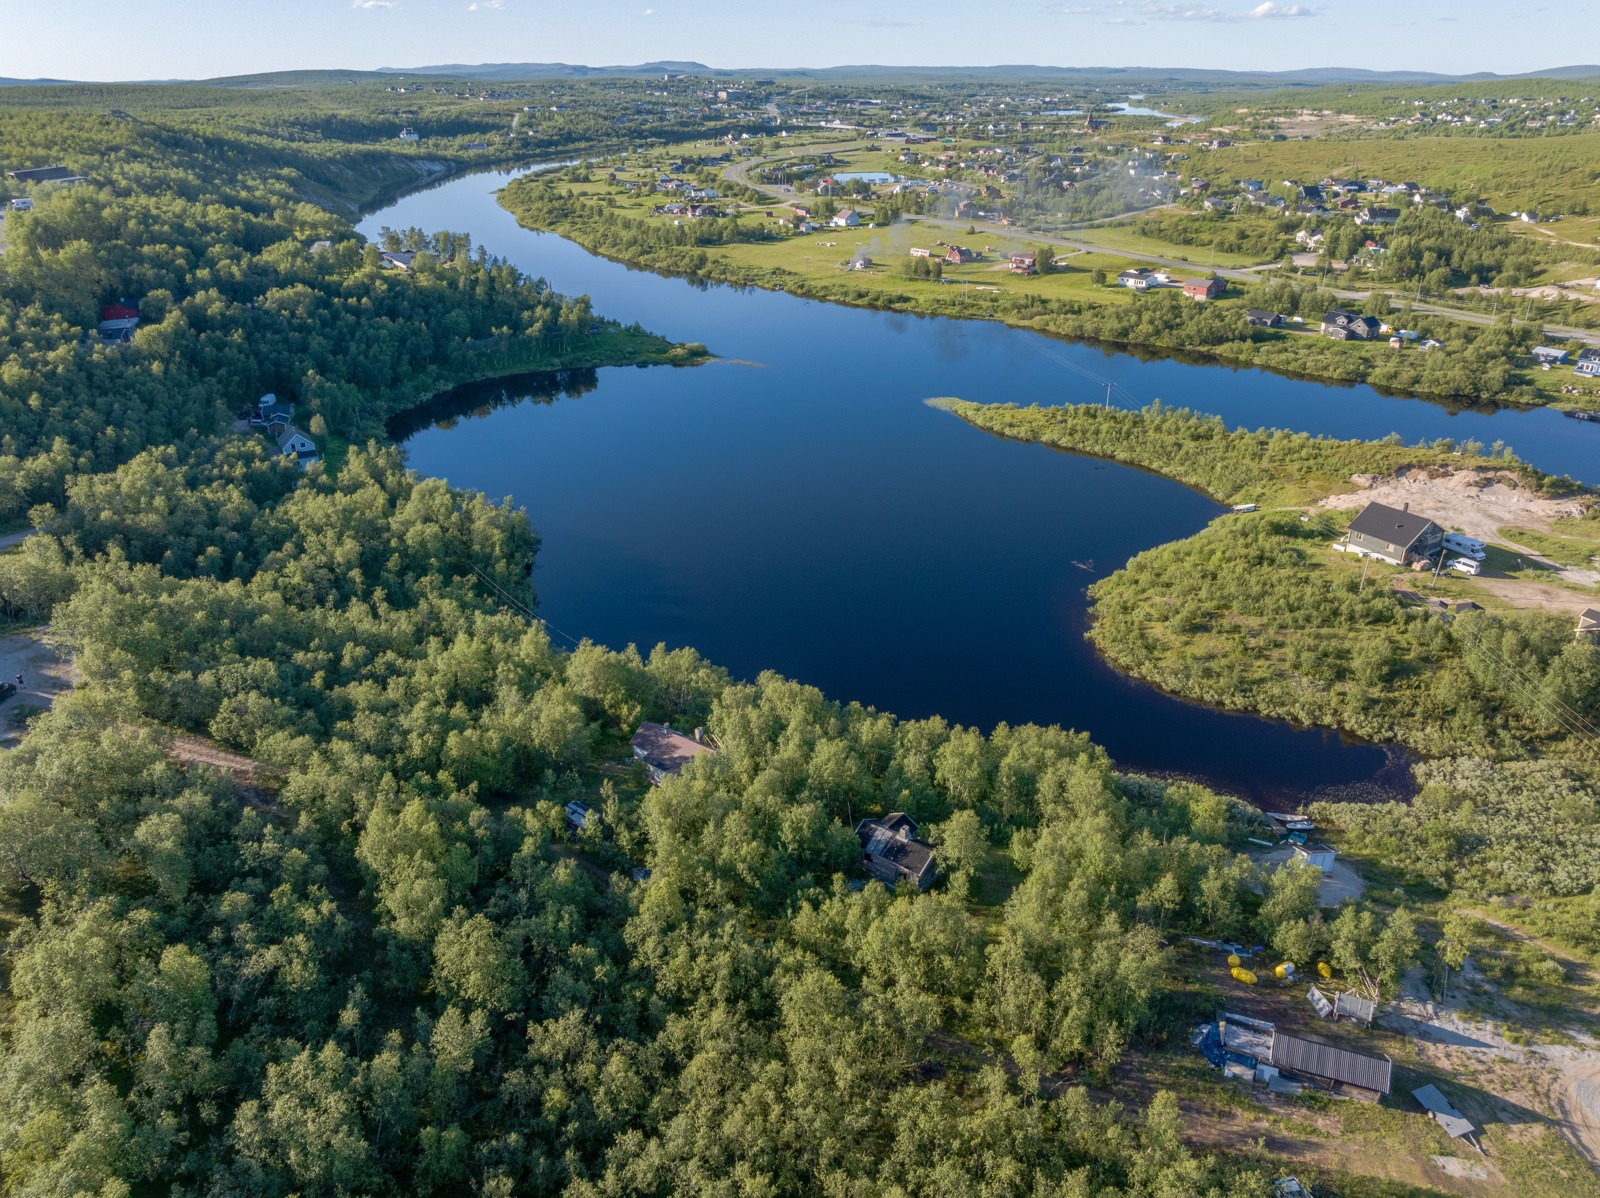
x,y
894,853
1397,536
665,751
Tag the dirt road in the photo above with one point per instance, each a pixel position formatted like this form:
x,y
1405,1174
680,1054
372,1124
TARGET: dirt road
x,y
45,672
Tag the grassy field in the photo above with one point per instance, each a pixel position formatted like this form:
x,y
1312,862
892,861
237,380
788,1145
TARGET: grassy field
x,y
1549,174
1126,239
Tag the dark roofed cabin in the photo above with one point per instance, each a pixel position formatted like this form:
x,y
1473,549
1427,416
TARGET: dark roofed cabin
x,y
1398,537
893,852
664,751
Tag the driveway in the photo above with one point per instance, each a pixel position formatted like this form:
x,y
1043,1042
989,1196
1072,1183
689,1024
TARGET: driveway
x,y
45,672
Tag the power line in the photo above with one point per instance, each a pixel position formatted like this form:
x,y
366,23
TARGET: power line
x,y
521,609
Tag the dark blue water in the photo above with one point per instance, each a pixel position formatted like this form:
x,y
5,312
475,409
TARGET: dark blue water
x,y
795,505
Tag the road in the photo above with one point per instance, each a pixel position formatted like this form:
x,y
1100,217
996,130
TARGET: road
x,y
11,540
739,172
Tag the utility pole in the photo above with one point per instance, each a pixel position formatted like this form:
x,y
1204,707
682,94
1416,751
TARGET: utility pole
x,y
1108,395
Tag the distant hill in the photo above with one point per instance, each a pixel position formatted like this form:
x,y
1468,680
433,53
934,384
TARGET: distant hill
x,y
6,82
1311,75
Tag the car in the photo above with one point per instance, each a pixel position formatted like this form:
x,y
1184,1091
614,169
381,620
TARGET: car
x,y
1465,565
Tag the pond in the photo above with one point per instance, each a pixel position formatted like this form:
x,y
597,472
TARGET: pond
x,y
796,506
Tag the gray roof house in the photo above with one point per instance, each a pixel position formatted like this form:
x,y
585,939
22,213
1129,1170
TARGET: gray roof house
x,y
1396,536
45,174
665,751
1589,623
1330,1066
893,852
1348,326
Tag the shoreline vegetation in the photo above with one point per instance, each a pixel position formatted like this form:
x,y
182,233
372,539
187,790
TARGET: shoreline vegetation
x,y
1473,365
1257,613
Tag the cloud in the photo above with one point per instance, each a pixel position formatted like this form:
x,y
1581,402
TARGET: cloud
x,y
1272,9
649,12
372,5
1076,10
882,23
486,5
1205,12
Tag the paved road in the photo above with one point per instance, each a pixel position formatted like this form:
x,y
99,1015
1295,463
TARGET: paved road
x,y
12,539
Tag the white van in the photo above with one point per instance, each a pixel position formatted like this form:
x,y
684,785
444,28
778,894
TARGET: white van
x,y
1471,547
1465,565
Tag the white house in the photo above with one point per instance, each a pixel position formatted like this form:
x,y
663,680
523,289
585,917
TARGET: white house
x,y
292,443
848,219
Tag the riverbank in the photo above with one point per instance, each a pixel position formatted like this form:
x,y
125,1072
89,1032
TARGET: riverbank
x,y
1258,613
1076,297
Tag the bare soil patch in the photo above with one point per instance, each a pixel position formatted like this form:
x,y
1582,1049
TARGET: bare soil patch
x,y
46,672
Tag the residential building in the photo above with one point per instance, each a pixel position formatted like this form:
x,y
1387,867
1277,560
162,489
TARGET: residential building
x,y
292,443
1589,363
893,852
1204,289
956,255
1589,623
1139,279
1347,326
1397,536
1377,216
117,322
664,751
1550,355
1264,320
847,219
1024,264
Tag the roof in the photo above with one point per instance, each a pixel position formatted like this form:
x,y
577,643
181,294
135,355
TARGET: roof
x,y
1390,525
46,174
119,312
893,839
1316,1059
1589,619
665,748
287,436
1355,1006
1437,1105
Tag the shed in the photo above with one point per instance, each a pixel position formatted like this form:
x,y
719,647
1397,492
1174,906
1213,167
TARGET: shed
x,y
1589,623
1444,1114
1319,855
1353,1006
1329,1065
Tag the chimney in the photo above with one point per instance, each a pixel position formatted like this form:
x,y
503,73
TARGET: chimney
x,y
1406,507
699,736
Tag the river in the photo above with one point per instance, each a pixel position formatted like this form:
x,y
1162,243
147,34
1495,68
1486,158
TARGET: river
x,y
795,506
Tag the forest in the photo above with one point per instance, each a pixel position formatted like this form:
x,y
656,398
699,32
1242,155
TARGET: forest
x,y
243,287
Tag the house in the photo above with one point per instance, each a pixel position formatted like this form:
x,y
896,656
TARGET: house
x,y
409,134
272,413
1140,279
848,219
1024,264
918,252
45,174
1204,289
956,255
398,259
1589,623
577,815
1549,355
117,322
1264,320
292,443
664,751
1589,363
1328,1066
892,851
1377,216
1347,326
1396,536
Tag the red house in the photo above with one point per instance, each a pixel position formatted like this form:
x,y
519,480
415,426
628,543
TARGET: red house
x,y
1204,289
1024,264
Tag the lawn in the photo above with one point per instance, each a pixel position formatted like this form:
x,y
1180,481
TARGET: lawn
x,y
1127,239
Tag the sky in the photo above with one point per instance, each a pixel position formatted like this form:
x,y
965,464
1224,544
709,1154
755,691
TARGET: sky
x,y
165,39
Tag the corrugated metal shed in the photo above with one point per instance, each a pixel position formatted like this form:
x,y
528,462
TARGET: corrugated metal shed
x,y
1325,1062
1353,1006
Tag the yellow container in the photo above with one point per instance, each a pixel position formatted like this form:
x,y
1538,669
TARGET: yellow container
x,y
1235,960
1322,968
1240,974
